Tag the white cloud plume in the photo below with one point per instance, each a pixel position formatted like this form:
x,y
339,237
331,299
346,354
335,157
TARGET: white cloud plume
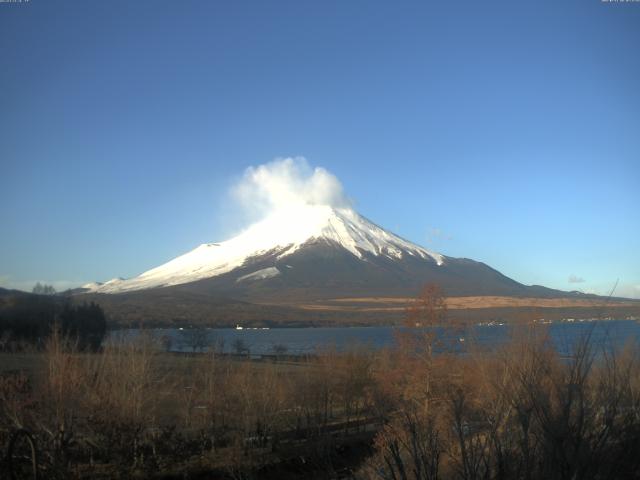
x,y
285,183
575,279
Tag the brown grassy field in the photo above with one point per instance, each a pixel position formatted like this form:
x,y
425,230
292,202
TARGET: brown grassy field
x,y
399,304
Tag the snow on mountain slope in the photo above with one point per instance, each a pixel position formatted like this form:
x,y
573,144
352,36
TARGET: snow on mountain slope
x,y
282,233
261,274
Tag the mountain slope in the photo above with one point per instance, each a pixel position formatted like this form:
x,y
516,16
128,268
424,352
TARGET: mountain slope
x,y
314,265
280,235
322,269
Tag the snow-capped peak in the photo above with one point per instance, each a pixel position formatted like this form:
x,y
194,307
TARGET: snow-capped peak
x,y
283,233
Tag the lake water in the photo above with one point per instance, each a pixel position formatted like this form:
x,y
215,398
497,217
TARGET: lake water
x,y
564,335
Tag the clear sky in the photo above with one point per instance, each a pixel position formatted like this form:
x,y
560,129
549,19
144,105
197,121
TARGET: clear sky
x,y
507,132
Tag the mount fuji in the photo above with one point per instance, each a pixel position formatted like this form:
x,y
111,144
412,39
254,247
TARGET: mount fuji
x,y
303,262
271,241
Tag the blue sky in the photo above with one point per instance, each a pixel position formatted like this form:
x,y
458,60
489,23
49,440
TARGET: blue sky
x,y
506,132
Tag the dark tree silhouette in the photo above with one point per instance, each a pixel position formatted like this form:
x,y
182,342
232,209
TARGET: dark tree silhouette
x,y
40,289
31,318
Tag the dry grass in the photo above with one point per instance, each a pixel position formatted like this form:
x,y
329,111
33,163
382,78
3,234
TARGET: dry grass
x,y
520,412
399,304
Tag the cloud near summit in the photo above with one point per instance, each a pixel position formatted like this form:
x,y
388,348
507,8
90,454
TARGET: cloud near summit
x,y
287,182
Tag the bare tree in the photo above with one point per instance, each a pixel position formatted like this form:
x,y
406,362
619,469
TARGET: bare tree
x,y
429,308
279,349
240,346
196,338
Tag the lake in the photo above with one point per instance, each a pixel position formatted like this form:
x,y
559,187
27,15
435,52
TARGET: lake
x,y
564,335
